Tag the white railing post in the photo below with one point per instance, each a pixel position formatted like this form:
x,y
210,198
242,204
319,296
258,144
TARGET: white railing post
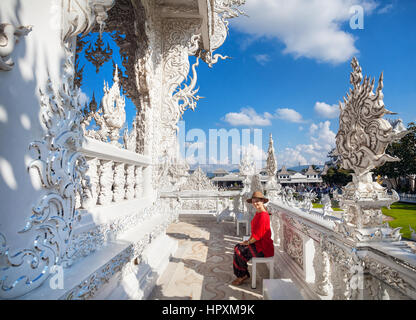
x,y
130,182
119,182
106,182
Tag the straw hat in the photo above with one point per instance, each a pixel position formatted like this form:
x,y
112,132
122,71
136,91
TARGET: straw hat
x,y
258,194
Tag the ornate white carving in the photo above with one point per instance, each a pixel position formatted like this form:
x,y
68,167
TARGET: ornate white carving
x,y
388,275
361,142
61,169
105,196
363,134
80,16
88,242
198,181
130,138
119,182
9,37
326,202
293,245
92,192
307,202
321,266
130,182
138,186
110,117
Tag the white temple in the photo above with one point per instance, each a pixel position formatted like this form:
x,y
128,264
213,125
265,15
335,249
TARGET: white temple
x,y
84,212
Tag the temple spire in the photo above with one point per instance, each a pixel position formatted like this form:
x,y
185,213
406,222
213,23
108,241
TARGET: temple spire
x,y
271,160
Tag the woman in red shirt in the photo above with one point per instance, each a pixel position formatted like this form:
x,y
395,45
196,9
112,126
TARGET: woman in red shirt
x,y
260,243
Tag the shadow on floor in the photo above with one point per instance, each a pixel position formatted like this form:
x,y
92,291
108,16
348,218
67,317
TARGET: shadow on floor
x,y
202,268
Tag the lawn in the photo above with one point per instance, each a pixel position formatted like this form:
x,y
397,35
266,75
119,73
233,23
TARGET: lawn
x,y
318,205
404,214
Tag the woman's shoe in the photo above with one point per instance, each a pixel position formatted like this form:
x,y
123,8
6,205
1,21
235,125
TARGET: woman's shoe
x,y
239,281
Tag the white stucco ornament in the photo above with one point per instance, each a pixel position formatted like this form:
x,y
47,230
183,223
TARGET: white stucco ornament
x,y
9,37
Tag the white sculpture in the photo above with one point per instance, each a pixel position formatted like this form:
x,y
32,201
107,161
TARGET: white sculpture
x,y
413,235
110,116
308,199
9,37
326,202
80,16
272,187
361,142
198,181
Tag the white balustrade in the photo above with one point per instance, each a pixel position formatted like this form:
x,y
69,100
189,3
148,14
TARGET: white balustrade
x,y
116,175
310,248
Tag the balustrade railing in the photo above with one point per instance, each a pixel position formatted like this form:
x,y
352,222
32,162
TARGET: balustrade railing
x,y
327,266
216,202
116,175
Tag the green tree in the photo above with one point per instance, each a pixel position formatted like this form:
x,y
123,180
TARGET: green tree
x,y
337,176
404,149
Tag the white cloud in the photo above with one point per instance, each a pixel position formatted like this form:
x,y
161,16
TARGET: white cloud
x,y
326,111
289,115
387,8
313,128
262,58
322,140
311,29
291,157
248,117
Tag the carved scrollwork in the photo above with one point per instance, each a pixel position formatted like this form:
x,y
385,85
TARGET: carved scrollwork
x,y
98,55
9,37
293,245
61,169
80,16
389,276
363,134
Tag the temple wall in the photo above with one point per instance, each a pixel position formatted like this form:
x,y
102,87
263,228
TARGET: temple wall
x,y
36,56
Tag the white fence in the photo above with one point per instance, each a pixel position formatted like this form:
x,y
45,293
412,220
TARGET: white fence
x,y
406,197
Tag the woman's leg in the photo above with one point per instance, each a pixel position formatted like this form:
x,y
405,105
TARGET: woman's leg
x,y
242,254
240,261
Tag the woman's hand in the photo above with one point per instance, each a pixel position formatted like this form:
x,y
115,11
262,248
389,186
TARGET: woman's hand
x,y
245,243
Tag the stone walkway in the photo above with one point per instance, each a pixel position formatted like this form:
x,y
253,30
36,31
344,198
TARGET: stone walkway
x,y
202,267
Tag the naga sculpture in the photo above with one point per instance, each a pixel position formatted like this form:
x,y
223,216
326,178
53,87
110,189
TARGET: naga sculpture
x,y
361,143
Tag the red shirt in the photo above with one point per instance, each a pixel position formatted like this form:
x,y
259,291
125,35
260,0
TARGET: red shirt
x,y
260,230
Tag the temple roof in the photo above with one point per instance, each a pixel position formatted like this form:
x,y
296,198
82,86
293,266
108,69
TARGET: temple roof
x,y
284,171
220,170
311,171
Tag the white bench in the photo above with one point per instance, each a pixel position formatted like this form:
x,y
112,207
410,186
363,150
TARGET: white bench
x,y
280,289
269,261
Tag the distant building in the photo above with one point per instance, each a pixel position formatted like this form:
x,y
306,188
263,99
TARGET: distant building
x,y
227,180
311,177
220,172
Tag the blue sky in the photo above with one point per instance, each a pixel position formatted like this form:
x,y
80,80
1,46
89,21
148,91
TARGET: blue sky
x,y
290,66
